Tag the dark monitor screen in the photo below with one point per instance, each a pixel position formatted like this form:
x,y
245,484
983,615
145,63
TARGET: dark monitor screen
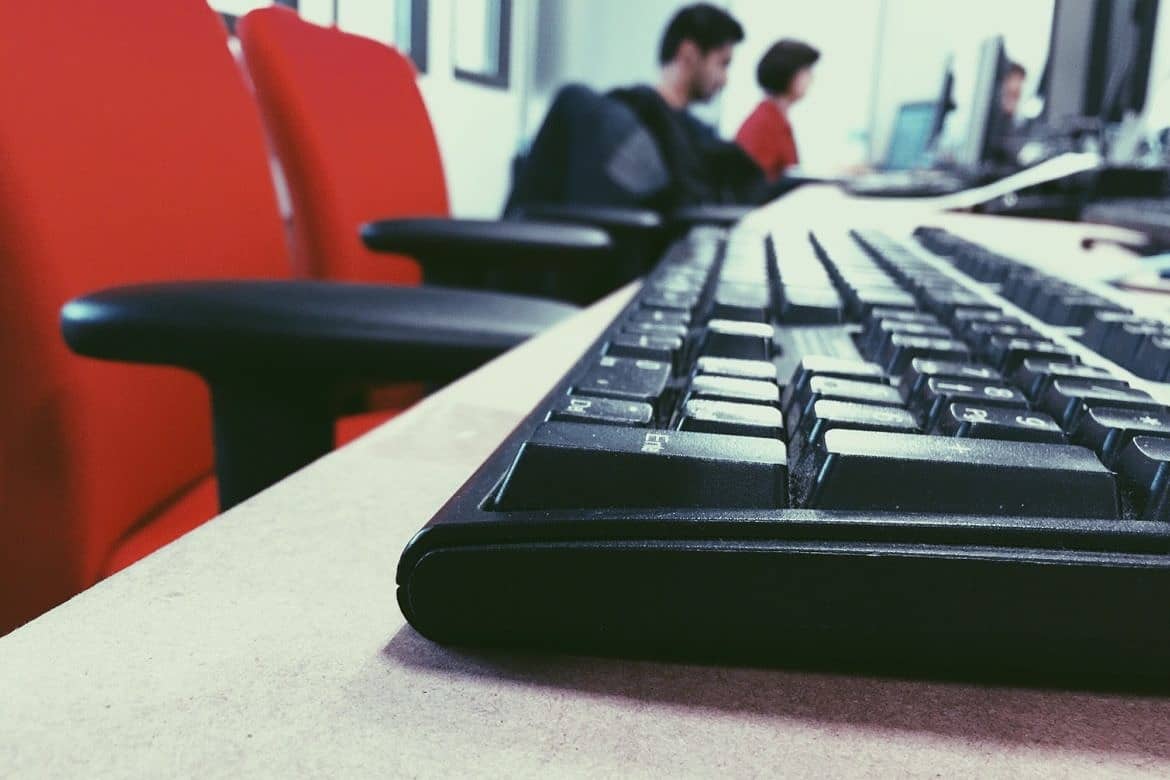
x,y
946,99
1098,59
911,137
983,104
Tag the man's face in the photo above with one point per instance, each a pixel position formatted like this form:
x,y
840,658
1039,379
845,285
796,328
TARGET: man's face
x,y
710,72
1010,92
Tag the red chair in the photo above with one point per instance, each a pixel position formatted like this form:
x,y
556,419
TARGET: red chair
x,y
356,143
134,161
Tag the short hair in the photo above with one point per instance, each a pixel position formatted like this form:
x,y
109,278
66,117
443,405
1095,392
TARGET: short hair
x,y
780,64
704,25
1016,69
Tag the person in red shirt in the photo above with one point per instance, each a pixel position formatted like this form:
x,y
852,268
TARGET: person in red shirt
x,y
784,73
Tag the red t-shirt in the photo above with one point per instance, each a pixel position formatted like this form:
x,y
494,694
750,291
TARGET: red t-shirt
x,y
767,136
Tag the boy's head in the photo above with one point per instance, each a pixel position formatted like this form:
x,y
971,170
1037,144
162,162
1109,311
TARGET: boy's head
x,y
698,43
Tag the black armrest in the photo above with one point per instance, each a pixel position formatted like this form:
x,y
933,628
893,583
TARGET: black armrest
x,y
277,354
503,244
376,332
614,220
722,216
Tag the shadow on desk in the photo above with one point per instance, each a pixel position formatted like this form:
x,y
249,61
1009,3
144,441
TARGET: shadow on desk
x,y
1110,723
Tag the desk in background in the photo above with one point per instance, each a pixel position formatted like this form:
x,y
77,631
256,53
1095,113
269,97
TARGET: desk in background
x,y
268,641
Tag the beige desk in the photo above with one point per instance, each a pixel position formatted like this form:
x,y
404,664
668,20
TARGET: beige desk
x,y
268,643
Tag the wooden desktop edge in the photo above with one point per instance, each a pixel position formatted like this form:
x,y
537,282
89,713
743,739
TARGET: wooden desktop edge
x,y
268,642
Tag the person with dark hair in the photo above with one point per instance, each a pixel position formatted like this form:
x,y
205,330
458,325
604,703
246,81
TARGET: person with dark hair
x,y
1012,88
784,73
1006,135
694,54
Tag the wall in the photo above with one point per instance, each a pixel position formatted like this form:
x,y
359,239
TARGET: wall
x,y
478,127
600,43
832,123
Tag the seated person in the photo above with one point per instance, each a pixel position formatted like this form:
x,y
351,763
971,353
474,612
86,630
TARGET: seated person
x,y
784,73
695,53
1006,134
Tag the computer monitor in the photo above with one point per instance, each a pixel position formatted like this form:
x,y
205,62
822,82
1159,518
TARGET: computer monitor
x,y
983,111
910,140
1098,60
1130,53
946,99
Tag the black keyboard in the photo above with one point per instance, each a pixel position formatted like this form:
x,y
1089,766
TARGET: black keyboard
x,y
830,449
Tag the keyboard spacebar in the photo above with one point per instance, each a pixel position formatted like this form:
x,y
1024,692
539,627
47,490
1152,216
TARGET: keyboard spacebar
x,y
914,473
577,466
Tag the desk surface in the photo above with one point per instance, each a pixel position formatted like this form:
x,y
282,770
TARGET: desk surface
x,y
268,642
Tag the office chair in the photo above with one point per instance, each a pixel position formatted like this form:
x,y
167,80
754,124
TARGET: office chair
x,y
595,154
134,165
356,144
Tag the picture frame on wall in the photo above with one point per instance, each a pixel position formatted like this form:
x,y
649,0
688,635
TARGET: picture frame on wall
x,y
403,24
481,43
230,12
411,28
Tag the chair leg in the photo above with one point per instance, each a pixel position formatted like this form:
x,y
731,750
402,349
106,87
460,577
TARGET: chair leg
x,y
264,432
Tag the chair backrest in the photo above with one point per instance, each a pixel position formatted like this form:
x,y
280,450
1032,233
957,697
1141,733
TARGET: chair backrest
x,y
130,151
353,136
590,150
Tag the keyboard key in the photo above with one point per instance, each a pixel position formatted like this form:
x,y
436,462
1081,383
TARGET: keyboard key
x,y
921,370
1034,375
866,471
1098,329
661,316
1067,399
631,345
733,419
1108,430
604,411
881,314
677,284
740,340
866,299
945,303
901,349
979,334
824,416
1077,309
882,332
572,466
992,422
1007,353
625,378
1144,466
723,388
1122,343
820,365
740,369
810,305
1152,359
741,302
659,329
684,302
964,319
833,389
940,393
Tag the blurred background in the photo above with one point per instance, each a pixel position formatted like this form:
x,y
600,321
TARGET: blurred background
x,y
877,55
